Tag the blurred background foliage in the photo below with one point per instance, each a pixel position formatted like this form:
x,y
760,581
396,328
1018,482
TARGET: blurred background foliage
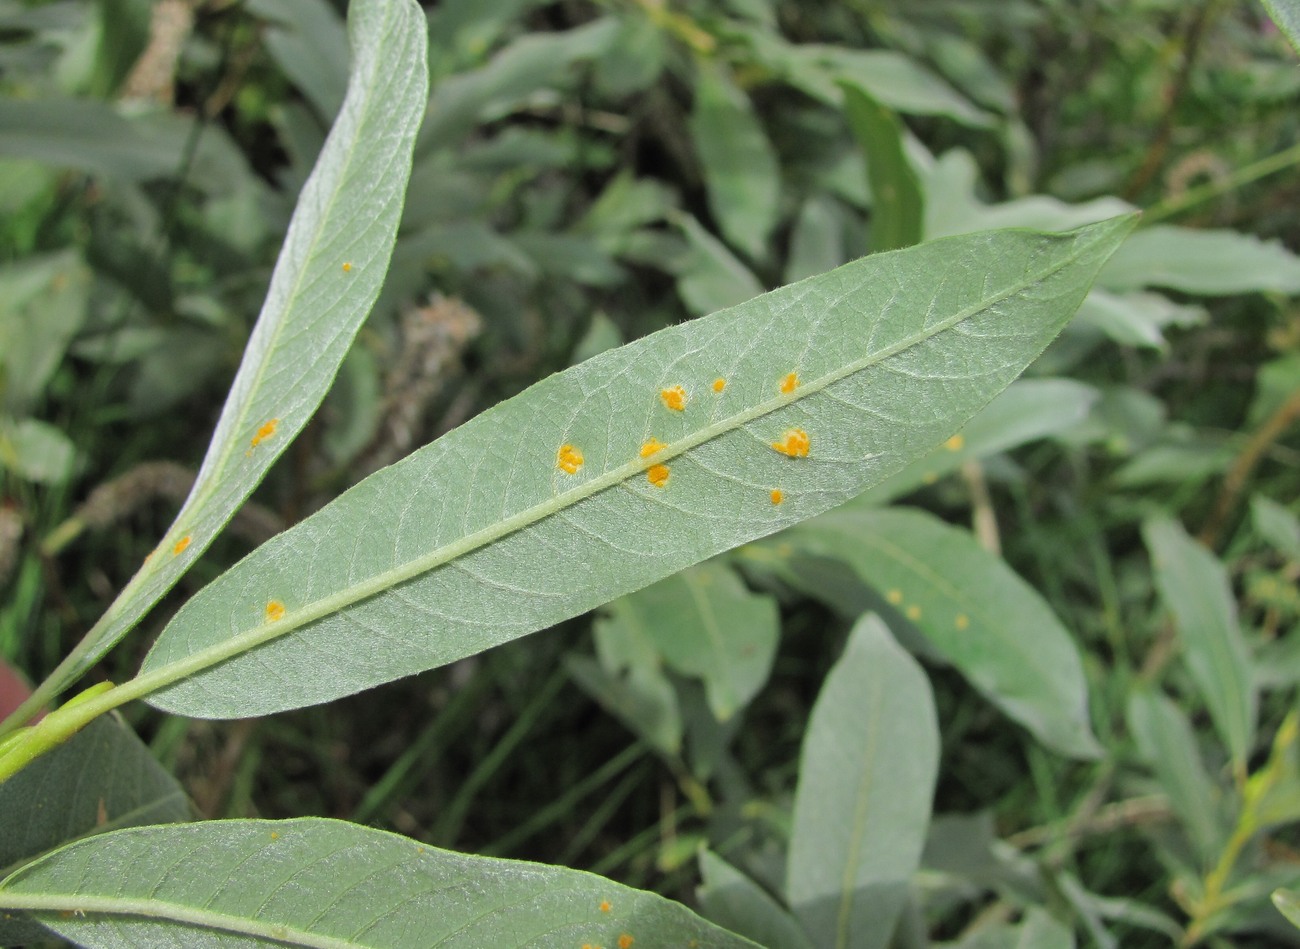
x,y
589,172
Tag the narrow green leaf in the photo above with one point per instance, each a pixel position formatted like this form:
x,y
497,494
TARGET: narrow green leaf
x,y
103,779
1030,409
327,278
897,206
817,239
1194,587
1164,737
740,168
43,304
866,780
36,451
495,530
990,624
1286,14
734,901
334,885
85,134
706,623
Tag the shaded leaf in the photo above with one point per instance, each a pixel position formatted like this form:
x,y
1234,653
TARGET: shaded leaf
x,y
740,167
711,277
984,619
732,900
545,506
42,306
1165,738
36,451
315,882
897,205
1194,587
309,43
1277,525
817,240
103,779
1136,319
866,779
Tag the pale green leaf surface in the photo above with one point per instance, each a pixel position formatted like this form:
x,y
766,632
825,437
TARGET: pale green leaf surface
x,y
866,780
987,621
1165,739
85,134
102,779
1194,587
1030,409
1207,263
1038,930
330,884
347,214
734,901
1286,14
741,174
897,205
706,623
1288,904
1135,318
481,537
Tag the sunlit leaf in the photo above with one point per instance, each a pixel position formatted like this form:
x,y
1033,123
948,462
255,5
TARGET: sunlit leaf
x,y
315,882
866,778
615,473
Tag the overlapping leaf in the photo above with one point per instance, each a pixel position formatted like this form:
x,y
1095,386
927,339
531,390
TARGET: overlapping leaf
x,y
324,883
328,276
608,476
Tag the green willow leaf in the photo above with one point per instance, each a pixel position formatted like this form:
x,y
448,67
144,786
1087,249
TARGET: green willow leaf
x,y
980,615
334,885
1195,588
325,282
897,204
627,468
1286,14
866,782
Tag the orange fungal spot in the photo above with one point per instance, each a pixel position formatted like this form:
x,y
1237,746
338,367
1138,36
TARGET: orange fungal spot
x,y
275,835
652,447
793,443
606,906
347,267
789,383
625,941
894,596
178,548
956,443
719,384
913,612
777,495
274,611
674,397
962,621
569,459
657,475
266,431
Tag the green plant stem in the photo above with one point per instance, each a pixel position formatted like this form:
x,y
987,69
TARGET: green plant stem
x,y
1281,161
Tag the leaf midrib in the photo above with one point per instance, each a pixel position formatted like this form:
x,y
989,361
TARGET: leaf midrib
x,y
146,683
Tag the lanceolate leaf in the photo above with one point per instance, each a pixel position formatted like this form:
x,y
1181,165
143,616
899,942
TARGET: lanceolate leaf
x,y
866,779
327,278
330,884
625,469
969,604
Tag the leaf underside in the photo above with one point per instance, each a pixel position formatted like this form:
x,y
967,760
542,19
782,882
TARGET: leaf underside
x,y
547,505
